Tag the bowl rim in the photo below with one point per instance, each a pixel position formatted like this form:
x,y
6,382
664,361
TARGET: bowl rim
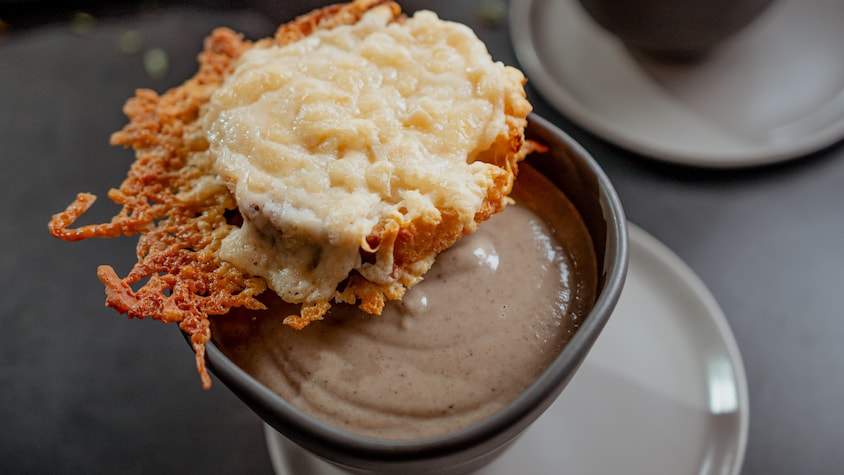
x,y
309,432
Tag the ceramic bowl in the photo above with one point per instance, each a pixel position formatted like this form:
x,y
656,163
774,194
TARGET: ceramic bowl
x,y
572,170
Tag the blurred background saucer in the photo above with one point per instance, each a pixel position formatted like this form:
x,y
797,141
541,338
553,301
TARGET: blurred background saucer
x,y
773,92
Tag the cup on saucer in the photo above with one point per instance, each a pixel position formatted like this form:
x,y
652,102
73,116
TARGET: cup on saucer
x,y
679,30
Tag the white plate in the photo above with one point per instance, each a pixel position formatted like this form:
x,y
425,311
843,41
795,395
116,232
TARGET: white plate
x,y
662,391
771,93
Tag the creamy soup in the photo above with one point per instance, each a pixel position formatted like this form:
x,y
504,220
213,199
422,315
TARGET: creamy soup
x,y
488,318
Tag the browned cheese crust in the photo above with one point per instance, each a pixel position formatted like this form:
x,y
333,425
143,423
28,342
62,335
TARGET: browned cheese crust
x,y
178,277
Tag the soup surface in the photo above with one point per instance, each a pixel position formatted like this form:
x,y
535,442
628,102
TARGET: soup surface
x,y
487,320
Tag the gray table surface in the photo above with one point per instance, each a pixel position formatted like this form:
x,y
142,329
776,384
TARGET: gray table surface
x,y
83,390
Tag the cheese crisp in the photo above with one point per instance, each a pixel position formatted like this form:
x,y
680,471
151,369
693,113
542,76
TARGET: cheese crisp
x,y
330,164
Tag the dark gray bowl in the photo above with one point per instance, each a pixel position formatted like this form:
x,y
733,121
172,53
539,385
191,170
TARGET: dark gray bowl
x,y
571,168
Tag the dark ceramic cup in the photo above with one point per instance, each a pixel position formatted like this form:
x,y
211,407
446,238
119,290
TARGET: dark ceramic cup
x,y
572,170
674,29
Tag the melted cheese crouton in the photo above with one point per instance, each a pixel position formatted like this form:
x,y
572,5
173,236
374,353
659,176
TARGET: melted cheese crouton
x,y
356,144
363,151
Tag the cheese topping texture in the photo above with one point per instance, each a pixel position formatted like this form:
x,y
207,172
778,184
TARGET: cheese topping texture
x,y
325,138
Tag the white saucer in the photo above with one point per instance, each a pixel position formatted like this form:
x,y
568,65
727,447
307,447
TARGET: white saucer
x,y
771,93
662,391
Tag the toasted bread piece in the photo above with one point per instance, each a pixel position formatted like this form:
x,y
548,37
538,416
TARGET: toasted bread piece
x,y
175,198
359,154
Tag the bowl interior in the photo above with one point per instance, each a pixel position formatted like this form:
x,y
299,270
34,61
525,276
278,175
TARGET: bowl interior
x,y
570,168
